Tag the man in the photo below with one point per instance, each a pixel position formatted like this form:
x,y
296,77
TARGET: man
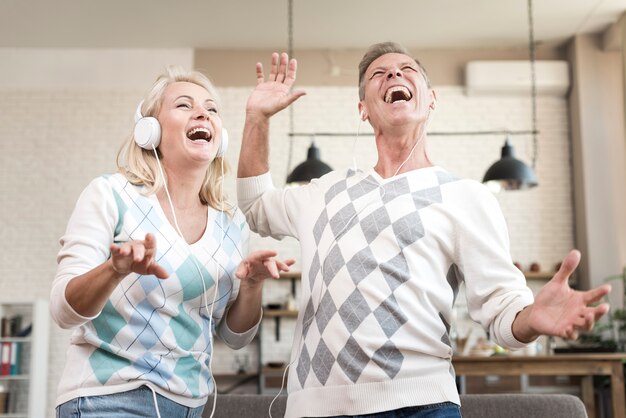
x,y
384,252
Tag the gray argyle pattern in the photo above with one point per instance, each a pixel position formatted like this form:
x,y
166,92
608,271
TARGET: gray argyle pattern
x,y
377,223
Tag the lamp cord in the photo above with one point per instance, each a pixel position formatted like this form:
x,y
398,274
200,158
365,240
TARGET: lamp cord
x,y
533,79
290,53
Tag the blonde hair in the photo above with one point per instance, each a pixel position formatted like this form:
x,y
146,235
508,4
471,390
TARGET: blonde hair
x,y
377,50
140,165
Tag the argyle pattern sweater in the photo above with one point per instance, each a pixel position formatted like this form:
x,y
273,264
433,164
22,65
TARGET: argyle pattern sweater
x,y
150,332
382,261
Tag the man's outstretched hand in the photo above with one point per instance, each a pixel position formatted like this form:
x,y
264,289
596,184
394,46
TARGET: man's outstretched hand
x,y
274,94
560,310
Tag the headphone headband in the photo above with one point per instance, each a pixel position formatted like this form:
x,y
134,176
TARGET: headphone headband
x,y
138,114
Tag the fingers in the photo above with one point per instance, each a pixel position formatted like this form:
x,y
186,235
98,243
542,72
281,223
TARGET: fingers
x,y
150,241
585,321
242,270
292,69
274,67
594,295
600,311
260,78
158,271
138,256
293,96
261,254
284,265
569,264
138,250
282,69
272,268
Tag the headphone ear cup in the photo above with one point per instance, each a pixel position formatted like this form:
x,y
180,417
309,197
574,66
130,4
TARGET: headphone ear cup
x,y
147,133
223,143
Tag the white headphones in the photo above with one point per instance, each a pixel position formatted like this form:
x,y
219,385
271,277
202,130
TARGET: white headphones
x,y
148,133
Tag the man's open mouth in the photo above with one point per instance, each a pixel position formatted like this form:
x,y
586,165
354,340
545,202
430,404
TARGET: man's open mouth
x,y
397,94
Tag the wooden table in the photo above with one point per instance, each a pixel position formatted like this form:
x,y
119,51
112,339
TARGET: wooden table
x,y
586,365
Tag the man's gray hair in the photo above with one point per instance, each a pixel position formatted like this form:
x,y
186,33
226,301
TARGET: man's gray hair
x,y
377,50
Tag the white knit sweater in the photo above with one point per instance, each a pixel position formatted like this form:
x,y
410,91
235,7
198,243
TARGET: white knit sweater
x,y
150,332
382,260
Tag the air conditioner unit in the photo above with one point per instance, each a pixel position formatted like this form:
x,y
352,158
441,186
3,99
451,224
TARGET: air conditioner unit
x,y
514,78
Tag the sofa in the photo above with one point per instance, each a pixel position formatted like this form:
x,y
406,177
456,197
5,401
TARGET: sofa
x,y
473,406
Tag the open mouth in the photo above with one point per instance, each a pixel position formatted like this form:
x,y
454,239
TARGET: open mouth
x,y
397,94
200,134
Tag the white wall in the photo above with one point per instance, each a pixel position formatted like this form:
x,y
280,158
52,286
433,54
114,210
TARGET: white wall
x,y
55,137
599,152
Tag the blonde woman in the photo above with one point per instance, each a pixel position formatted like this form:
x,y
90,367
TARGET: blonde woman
x,y
153,263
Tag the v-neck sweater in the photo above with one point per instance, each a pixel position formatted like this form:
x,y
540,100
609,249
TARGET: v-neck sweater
x,y
382,261
150,332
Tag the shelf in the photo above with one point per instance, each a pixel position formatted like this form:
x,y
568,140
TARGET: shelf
x,y
280,313
236,383
290,275
273,370
15,339
538,275
14,377
277,314
27,391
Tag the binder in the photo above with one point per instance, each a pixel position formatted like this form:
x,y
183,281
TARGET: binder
x,y
16,351
5,359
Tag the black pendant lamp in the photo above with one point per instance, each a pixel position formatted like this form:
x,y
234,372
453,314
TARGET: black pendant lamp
x,y
311,169
509,173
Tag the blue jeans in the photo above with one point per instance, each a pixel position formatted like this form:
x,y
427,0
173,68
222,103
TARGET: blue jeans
x,y
134,403
436,410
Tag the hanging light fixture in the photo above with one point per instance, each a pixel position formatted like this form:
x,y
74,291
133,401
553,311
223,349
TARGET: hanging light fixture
x,y
509,173
313,167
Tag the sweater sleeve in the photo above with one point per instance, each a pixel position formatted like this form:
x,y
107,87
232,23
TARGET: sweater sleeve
x,y
234,339
496,290
231,338
269,211
84,246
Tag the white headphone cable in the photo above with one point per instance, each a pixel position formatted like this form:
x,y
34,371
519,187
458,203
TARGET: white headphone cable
x,y
206,304
422,134
321,288
358,130
217,266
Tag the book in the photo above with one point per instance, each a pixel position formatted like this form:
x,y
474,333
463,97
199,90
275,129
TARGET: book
x,y
16,354
5,358
4,401
5,328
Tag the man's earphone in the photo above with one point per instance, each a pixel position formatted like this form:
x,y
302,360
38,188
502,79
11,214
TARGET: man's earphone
x,y
148,133
362,115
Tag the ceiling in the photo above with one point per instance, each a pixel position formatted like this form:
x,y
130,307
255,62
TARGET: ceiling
x,y
317,24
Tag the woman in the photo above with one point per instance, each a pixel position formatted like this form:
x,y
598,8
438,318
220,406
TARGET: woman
x,y
152,264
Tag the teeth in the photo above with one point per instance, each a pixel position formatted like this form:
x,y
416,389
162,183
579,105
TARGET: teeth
x,y
389,95
199,133
193,131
